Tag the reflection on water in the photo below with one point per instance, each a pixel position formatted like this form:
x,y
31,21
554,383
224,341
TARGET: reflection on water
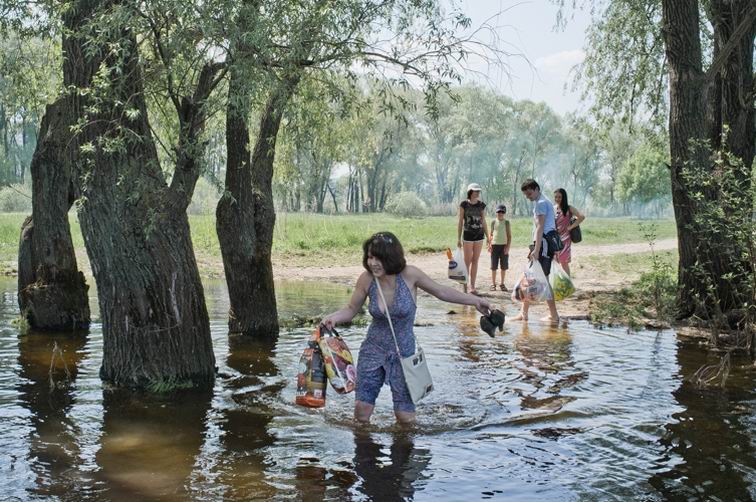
x,y
711,441
150,443
535,413
48,368
389,473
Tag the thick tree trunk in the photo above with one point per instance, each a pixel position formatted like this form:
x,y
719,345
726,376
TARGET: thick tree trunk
x,y
52,293
701,106
688,95
155,324
245,216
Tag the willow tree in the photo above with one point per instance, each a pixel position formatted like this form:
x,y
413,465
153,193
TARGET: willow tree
x,y
691,62
155,323
52,293
273,45
133,214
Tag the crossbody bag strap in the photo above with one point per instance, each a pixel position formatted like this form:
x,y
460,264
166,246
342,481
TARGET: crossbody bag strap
x,y
388,316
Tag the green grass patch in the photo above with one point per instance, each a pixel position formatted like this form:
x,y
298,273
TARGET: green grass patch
x,y
636,263
651,297
328,239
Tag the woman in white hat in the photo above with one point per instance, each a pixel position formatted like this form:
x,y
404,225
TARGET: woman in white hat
x,y
471,231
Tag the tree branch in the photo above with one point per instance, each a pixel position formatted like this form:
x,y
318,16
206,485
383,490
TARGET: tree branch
x,y
742,29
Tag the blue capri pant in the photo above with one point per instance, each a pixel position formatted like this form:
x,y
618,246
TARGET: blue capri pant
x,y
377,366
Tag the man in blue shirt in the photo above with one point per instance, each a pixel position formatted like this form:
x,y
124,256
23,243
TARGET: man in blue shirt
x,y
544,221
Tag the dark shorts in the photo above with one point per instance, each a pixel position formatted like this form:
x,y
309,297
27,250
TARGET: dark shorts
x,y
473,236
545,261
498,258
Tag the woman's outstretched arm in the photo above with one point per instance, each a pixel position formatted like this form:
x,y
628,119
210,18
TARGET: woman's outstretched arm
x,y
356,302
445,293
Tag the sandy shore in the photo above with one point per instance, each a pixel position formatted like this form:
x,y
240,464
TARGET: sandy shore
x,y
588,277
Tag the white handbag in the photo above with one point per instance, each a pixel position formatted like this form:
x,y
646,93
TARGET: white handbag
x,y
415,367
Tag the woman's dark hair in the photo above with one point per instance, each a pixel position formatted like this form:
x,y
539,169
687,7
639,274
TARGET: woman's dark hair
x,y
470,192
387,248
564,206
529,184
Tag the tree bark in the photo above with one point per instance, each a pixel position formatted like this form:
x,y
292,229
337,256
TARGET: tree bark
x,y
155,324
52,293
702,109
245,216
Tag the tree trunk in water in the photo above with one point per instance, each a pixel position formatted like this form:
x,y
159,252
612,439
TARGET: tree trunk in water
x,y
701,107
155,325
245,216
52,293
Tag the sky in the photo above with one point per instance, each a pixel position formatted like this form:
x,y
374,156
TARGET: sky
x,y
542,55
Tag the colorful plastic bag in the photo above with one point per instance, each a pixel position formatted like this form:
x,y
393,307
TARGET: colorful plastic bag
x,y
311,377
339,363
457,268
561,284
532,285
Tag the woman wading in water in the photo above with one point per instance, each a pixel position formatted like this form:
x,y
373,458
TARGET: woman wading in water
x,y
378,362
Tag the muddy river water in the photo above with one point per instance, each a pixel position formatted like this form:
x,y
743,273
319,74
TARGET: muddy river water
x,y
536,413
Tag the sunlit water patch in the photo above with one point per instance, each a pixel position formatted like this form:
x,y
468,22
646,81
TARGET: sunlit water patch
x,y
537,412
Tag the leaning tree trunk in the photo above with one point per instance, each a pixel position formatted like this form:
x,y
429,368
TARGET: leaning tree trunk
x,y
52,293
245,216
703,106
155,325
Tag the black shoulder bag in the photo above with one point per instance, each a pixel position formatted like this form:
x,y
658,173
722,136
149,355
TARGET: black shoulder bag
x,y
576,235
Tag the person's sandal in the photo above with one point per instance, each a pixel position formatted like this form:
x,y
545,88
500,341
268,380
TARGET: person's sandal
x,y
493,287
503,287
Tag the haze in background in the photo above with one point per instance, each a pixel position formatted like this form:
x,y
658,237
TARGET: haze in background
x,y
546,54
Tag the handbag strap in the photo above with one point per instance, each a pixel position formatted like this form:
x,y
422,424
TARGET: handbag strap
x,y
388,316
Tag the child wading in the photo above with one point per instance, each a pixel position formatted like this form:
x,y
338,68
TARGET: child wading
x,y
498,246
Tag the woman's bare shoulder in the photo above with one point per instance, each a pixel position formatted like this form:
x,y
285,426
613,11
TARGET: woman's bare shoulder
x,y
364,280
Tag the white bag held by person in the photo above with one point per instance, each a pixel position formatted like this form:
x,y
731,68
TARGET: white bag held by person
x,y
533,285
457,268
561,284
415,367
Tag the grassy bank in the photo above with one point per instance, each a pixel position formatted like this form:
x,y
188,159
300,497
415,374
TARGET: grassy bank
x,y
309,239
648,300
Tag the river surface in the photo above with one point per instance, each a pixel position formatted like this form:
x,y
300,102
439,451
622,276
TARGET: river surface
x,y
536,413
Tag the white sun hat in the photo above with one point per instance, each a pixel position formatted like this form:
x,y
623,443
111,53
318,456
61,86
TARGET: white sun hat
x,y
474,187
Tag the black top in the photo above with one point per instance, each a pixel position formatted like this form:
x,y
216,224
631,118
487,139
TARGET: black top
x,y
473,216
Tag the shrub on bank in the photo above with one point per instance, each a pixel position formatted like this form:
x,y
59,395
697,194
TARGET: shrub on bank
x,y
15,199
406,205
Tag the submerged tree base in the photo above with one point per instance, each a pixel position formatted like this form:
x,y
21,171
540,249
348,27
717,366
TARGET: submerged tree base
x,y
159,385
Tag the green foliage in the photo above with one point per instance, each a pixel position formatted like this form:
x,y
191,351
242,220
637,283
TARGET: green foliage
x,y
169,385
624,73
15,199
22,325
205,198
722,231
644,178
406,205
652,296
29,79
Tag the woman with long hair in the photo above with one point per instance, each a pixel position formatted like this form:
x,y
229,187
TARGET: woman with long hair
x,y
471,231
564,223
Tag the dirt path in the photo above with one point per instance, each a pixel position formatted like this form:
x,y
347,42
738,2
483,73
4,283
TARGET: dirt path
x,y
589,276
435,265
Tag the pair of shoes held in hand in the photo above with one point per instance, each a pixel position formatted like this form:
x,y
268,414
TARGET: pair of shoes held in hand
x,y
490,322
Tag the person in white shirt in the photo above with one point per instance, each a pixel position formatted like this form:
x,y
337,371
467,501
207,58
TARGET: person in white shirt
x,y
544,221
